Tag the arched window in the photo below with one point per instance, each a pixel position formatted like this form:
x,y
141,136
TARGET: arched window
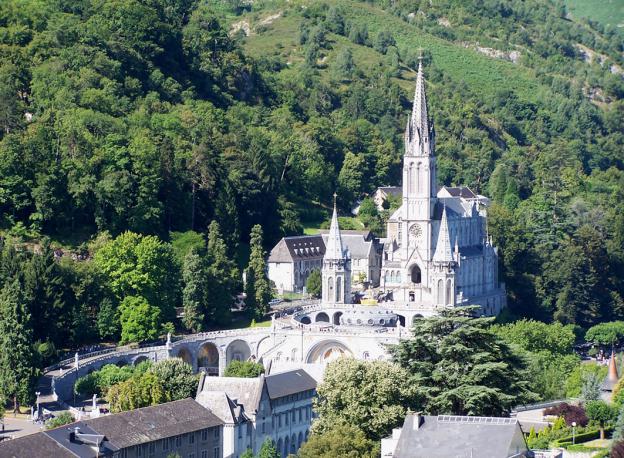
x,y
392,277
339,289
330,288
419,179
416,275
411,179
398,277
449,300
440,292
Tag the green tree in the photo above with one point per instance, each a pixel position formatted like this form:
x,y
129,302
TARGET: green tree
x,y
344,67
136,392
222,276
268,450
137,265
383,41
618,428
257,286
139,320
176,377
601,413
63,418
535,336
313,283
246,369
108,320
591,389
194,293
606,334
17,372
342,440
351,178
370,395
461,367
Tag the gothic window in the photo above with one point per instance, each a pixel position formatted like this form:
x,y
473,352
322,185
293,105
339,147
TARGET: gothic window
x,y
411,178
339,289
449,300
412,296
440,292
416,275
419,179
398,277
392,277
330,288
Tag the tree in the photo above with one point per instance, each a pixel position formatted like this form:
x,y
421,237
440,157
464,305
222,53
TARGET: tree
x,y
137,265
268,450
222,276
108,320
370,395
460,367
618,428
384,40
606,334
257,285
313,283
136,392
591,387
17,372
341,441
601,413
246,369
194,294
139,320
535,336
343,66
351,178
176,377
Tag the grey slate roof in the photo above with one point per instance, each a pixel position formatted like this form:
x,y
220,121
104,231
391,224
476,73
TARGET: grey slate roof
x,y
356,244
155,422
244,391
287,383
460,191
450,437
38,445
295,248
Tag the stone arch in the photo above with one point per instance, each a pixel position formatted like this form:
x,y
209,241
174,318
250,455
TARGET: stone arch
x,y
185,355
415,274
322,317
401,320
306,320
327,350
336,318
208,358
237,350
139,359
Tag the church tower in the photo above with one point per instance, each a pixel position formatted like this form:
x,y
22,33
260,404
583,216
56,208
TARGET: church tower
x,y
336,272
443,266
419,178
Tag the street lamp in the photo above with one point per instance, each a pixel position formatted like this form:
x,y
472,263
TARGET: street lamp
x,y
573,431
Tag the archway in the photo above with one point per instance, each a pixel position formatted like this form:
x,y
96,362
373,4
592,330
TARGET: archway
x,y
286,447
293,443
306,320
208,358
121,363
415,274
238,350
327,351
322,317
139,360
401,320
185,355
336,318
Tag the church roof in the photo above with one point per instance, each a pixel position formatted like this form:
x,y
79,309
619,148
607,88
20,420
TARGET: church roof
x,y
357,244
244,391
460,191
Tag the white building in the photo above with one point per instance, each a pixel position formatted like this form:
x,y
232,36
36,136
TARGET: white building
x,y
437,251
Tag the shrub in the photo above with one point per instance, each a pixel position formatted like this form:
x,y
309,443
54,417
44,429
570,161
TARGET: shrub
x,y
64,418
246,369
570,412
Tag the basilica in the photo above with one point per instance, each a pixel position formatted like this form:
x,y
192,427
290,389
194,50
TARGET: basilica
x,y
437,252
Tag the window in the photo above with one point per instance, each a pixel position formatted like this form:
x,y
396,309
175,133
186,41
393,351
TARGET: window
x,y
179,441
216,433
279,420
217,452
191,438
191,455
204,454
139,450
300,415
204,435
165,443
294,419
152,448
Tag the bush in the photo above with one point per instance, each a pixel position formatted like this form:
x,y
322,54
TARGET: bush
x,y
570,412
64,418
246,369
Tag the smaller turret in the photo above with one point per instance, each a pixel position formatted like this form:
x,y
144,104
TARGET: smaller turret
x,y
443,252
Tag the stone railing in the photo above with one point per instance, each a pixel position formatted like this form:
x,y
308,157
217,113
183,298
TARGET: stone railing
x,y
68,361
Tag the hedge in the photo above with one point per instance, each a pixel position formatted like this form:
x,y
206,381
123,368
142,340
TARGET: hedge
x,y
578,438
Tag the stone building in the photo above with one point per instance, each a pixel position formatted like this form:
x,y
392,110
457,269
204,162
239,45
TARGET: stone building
x,y
277,406
437,251
183,427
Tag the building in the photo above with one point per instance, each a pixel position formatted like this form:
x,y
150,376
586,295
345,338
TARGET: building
x,y
183,427
437,252
277,406
383,193
444,436
292,259
610,381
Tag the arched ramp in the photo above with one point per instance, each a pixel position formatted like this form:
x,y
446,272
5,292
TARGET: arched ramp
x,y
208,358
328,350
185,355
238,350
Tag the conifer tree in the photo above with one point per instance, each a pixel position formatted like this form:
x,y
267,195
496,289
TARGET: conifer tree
x,y
17,373
194,294
257,286
222,276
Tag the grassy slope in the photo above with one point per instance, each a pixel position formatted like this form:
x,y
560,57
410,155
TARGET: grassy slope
x,y
608,12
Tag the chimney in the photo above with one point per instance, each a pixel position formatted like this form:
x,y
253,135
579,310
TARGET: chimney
x,y
418,418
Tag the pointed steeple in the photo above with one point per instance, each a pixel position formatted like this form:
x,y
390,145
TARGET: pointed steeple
x,y
419,134
443,252
334,240
612,376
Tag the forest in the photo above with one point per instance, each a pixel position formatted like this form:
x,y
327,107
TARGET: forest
x,y
128,128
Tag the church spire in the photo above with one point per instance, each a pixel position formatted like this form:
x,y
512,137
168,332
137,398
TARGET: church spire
x,y
443,252
334,240
419,134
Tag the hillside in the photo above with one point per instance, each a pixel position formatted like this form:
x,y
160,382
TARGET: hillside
x,y
609,12
161,116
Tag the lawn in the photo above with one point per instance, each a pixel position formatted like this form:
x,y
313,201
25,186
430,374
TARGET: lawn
x,y
608,12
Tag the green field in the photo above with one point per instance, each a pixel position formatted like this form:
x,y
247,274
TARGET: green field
x,y
608,12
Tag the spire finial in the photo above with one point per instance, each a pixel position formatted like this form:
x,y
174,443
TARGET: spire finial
x,y
335,195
